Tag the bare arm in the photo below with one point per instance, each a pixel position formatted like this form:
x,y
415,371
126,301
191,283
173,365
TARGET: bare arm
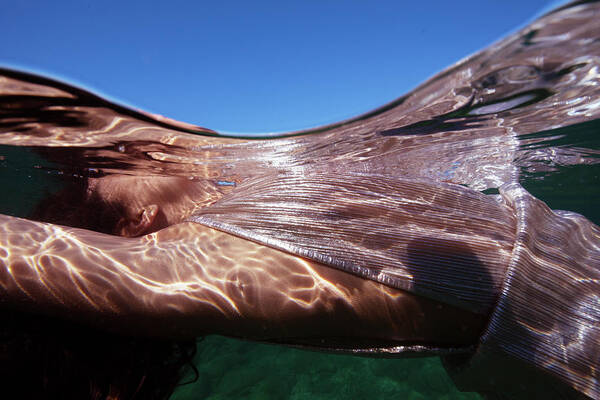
x,y
189,280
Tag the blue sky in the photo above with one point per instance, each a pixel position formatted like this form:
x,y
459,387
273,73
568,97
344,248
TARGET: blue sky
x,y
252,66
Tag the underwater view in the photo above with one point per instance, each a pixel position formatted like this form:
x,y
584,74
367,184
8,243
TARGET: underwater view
x,y
435,200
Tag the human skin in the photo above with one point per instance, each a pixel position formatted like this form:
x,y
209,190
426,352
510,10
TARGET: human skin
x,y
181,279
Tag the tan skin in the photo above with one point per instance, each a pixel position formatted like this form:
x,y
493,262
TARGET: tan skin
x,y
161,276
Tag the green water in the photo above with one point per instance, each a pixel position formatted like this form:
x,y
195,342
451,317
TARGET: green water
x,y
573,187
233,369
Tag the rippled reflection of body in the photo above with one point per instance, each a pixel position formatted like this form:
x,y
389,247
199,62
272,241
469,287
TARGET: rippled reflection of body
x,y
273,239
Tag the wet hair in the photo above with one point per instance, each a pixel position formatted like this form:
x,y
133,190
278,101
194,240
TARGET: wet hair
x,y
44,357
79,207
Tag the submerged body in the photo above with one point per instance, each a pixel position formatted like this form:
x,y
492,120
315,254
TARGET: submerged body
x,y
359,237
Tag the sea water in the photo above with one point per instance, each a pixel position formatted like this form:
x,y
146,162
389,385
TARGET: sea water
x,y
526,109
